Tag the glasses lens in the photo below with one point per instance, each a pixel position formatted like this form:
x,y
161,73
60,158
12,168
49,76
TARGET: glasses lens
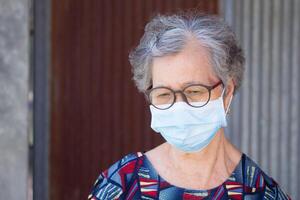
x,y
161,98
197,95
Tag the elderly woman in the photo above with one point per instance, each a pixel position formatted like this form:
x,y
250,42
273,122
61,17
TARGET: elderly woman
x,y
189,66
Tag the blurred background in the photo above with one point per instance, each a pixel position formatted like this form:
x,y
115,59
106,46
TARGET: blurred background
x,y
69,108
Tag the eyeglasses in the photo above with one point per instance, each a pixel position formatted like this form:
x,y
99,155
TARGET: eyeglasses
x,y
195,95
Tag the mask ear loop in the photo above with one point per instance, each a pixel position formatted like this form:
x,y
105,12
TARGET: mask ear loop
x,y
228,105
227,109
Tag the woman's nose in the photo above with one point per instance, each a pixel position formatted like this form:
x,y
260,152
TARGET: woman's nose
x,y
180,97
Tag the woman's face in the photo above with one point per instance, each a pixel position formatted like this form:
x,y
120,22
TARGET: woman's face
x,y
189,66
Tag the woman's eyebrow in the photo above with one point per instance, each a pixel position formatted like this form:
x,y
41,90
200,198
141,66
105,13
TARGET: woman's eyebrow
x,y
209,83
191,83
185,84
196,82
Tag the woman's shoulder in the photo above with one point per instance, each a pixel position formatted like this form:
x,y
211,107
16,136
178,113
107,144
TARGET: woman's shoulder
x,y
255,177
113,181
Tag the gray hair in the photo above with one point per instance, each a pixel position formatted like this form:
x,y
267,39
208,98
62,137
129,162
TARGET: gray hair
x,y
168,34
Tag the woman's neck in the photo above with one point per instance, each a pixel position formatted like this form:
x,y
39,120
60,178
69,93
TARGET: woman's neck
x,y
213,161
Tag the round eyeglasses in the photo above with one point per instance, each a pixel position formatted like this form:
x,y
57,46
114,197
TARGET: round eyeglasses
x,y
195,95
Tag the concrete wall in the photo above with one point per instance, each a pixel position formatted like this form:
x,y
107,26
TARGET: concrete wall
x,y
14,67
265,116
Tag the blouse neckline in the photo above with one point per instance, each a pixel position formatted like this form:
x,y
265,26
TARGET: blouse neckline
x,y
161,179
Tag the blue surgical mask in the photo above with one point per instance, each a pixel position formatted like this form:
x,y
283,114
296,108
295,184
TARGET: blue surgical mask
x,y
188,128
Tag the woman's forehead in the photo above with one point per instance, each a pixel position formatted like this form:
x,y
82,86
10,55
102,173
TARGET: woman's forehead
x,y
192,64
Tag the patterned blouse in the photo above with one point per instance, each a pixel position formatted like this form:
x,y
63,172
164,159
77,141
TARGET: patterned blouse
x,y
134,177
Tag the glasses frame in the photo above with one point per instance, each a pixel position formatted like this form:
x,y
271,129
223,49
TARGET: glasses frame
x,y
209,88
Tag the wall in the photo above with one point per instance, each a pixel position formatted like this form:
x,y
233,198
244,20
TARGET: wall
x,y
265,115
14,67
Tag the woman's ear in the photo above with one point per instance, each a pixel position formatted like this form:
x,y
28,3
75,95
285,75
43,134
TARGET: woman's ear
x,y
230,88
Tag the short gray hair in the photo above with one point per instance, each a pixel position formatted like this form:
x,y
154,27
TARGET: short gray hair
x,y
168,34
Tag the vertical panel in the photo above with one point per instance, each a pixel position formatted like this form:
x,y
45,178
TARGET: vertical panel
x,y
274,98
97,114
294,108
285,85
255,80
40,61
266,111
265,83
245,96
